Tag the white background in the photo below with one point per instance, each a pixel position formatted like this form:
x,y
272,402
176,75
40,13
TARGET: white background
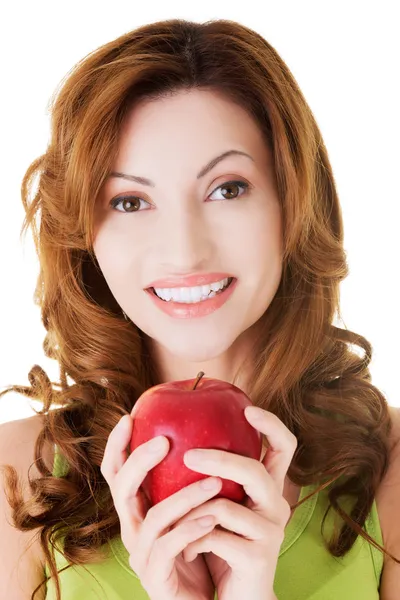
x,y
345,57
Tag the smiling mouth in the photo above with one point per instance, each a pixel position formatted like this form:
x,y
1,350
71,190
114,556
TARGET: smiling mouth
x,y
211,294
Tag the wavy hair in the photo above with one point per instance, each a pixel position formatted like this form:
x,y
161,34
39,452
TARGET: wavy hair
x,y
306,371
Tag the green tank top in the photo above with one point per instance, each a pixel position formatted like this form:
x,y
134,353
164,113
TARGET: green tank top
x,y
305,569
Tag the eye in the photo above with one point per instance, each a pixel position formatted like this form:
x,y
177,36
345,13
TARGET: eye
x,y
229,185
132,203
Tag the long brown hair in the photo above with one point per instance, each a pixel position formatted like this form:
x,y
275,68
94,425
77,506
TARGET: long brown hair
x,y
306,371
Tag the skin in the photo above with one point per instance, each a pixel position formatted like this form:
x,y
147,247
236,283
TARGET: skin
x,y
182,231
185,225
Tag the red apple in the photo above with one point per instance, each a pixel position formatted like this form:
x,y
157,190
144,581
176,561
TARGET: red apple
x,y
194,413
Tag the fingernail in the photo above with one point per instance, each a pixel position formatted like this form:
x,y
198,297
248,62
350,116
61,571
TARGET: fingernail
x,y
122,423
254,412
205,521
195,455
156,444
209,483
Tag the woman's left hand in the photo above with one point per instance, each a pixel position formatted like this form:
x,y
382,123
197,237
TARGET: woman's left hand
x,y
243,563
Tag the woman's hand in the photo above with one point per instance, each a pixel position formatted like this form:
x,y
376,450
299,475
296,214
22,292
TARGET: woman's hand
x,y
154,548
243,563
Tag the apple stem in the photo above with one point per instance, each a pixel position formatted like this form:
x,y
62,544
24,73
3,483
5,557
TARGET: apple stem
x,y
199,376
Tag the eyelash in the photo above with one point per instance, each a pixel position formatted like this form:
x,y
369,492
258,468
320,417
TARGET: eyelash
x,y
243,184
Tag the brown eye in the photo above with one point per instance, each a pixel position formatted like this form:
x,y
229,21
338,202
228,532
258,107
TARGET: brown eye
x,y
230,187
130,203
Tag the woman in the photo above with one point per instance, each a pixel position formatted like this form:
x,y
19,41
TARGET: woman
x,y
190,221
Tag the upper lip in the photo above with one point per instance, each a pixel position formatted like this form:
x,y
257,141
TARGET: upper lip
x,y
189,280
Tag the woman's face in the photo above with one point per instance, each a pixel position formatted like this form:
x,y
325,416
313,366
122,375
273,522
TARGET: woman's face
x,y
183,224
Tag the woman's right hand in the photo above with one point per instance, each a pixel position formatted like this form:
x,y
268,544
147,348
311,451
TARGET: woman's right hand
x,y
155,551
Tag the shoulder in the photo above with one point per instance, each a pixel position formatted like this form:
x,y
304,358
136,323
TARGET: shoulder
x,y
390,484
388,506
17,448
388,494
17,444
23,434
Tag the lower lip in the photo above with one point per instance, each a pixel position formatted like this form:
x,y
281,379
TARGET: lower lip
x,y
181,310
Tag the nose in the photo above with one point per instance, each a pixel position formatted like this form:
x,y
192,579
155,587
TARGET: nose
x,y
185,242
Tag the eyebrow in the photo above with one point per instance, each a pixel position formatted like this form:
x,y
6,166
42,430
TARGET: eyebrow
x,y
210,165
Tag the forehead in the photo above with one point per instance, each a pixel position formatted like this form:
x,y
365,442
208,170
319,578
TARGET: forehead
x,y
194,127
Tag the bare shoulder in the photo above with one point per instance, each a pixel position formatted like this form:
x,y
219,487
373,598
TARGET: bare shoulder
x,y
388,503
21,558
23,433
395,416
388,494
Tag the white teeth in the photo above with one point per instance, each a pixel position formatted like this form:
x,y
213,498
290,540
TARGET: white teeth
x,y
216,286
190,295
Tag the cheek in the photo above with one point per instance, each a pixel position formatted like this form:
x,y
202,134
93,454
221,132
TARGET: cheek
x,y
104,251
264,260
116,261
261,242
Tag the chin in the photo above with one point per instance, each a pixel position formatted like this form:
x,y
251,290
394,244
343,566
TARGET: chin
x,y
197,350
